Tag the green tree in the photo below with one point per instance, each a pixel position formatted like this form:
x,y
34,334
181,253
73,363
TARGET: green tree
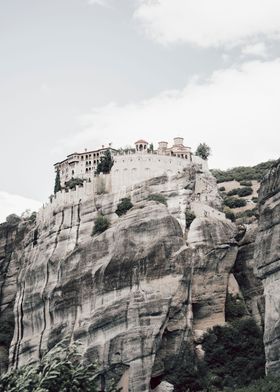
x,y
105,164
158,198
124,205
203,151
61,369
101,224
57,186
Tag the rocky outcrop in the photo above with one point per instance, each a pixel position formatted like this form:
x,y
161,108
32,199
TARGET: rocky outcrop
x,y
138,296
267,255
245,273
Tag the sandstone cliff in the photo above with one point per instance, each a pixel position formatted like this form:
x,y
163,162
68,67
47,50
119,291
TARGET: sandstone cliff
x,y
267,255
137,296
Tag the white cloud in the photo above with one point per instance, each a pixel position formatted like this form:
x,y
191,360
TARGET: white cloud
x,y
15,204
209,23
102,3
235,111
258,50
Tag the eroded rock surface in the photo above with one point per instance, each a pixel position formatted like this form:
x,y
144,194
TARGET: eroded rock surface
x,y
267,255
137,296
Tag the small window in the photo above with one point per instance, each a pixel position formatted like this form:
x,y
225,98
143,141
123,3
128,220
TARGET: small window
x,y
73,172
86,170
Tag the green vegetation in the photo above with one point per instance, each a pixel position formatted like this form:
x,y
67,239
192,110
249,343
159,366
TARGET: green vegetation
x,y
248,213
105,164
203,151
124,205
267,384
101,224
243,173
57,186
222,189
229,214
255,199
234,354
71,184
190,216
234,202
13,219
157,197
241,192
246,183
59,370
235,308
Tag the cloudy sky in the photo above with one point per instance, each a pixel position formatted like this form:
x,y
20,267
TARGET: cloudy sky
x,y
76,74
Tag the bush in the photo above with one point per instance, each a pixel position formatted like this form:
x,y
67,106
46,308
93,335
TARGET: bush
x,y
246,183
59,370
222,189
71,184
235,308
230,215
232,192
124,206
233,202
246,191
255,199
190,216
158,198
267,384
101,224
203,151
13,219
234,354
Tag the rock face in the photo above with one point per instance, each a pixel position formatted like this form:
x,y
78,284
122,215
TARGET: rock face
x,y
267,255
137,296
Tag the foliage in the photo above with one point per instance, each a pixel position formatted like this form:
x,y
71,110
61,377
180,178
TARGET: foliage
x,y
246,183
248,213
71,184
222,189
229,214
157,197
124,205
101,224
203,151
245,191
189,216
255,199
243,173
234,354
233,202
151,147
266,384
57,186
60,369
235,308
105,164
13,219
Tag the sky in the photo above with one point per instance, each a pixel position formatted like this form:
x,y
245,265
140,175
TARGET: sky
x,y
78,74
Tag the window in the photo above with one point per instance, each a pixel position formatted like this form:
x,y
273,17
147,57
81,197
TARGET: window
x,y
73,172
86,170
82,157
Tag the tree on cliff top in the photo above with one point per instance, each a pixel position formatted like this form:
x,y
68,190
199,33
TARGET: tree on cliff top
x,y
57,186
105,164
203,151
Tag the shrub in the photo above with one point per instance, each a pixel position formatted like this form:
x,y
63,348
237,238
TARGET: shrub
x,y
246,191
230,215
267,384
71,184
234,354
235,308
101,224
157,197
13,219
57,186
124,206
233,202
59,370
190,216
222,189
232,192
246,183
255,199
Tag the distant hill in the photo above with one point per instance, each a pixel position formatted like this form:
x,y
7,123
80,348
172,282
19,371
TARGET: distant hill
x,y
243,173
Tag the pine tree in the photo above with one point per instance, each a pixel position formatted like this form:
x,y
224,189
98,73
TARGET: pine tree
x,y
57,186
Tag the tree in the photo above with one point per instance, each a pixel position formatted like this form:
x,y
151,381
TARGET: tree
x,y
105,164
101,224
124,205
203,151
61,369
57,185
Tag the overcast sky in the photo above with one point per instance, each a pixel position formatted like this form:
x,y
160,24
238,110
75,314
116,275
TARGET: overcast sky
x,y
77,74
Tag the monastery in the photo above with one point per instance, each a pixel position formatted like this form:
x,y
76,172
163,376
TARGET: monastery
x,y
131,165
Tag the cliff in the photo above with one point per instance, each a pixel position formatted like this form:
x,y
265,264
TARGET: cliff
x,y
137,296
267,255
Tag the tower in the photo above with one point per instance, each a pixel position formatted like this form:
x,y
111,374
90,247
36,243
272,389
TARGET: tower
x,y
141,146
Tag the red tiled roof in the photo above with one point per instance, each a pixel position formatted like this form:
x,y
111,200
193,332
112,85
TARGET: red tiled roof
x,y
141,141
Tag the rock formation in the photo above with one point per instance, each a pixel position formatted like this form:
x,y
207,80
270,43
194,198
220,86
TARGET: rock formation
x,y
267,255
138,296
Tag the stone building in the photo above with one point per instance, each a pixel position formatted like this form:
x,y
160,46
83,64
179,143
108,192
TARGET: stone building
x,y
177,150
81,164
